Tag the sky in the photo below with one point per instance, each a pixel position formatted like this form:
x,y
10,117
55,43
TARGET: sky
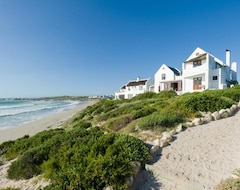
x,y
93,47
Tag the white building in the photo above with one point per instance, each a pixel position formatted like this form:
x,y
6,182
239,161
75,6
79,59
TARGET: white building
x,y
133,88
200,71
167,78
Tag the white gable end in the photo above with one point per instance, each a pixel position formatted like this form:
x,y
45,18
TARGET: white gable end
x,y
197,52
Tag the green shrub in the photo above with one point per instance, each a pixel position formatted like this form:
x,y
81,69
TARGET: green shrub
x,y
205,102
237,86
146,95
26,166
230,183
96,164
143,112
21,145
120,122
164,119
4,147
82,124
166,94
232,93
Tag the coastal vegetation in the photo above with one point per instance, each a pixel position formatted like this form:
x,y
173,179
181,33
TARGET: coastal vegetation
x,y
99,146
232,183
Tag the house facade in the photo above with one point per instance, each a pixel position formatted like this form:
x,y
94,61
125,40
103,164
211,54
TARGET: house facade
x,y
133,88
200,71
167,78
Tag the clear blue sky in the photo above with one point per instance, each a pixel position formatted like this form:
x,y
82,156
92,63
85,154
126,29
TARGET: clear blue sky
x,y
91,47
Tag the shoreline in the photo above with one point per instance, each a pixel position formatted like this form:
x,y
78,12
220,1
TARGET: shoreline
x,y
46,123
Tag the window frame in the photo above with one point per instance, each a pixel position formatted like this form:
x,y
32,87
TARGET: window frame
x,y
197,63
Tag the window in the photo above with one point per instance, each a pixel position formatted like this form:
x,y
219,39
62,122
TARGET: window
x,y
215,78
130,96
197,83
141,87
197,63
163,76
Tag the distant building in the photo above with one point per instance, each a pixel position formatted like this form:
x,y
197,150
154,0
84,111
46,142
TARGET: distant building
x,y
133,88
200,71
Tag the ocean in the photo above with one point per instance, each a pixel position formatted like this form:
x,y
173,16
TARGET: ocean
x,y
15,112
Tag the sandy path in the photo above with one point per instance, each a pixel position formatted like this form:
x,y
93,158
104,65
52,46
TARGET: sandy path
x,y
199,158
49,122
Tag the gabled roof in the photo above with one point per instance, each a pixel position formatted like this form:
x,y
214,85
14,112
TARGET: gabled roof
x,y
200,57
175,71
123,87
196,53
199,54
137,83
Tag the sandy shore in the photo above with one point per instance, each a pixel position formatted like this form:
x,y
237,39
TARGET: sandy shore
x,y
50,122
199,158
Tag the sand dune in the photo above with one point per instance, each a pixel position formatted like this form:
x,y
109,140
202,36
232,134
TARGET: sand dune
x,y
199,158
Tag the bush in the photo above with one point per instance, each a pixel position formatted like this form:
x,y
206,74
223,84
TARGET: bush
x,y
146,95
230,183
82,124
206,102
143,112
26,166
164,119
104,162
21,145
120,122
167,94
232,93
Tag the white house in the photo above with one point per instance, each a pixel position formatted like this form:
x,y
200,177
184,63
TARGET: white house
x,y
200,71
133,88
167,78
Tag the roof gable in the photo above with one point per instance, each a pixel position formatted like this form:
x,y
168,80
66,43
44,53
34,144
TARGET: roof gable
x,y
175,71
136,83
196,53
171,69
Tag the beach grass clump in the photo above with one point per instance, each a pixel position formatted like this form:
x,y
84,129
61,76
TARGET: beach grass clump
x,y
164,119
117,123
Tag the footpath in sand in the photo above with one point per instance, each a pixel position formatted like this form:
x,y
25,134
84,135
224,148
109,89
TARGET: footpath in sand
x,y
199,158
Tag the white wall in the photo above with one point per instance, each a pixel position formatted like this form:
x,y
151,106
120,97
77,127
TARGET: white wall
x,y
170,76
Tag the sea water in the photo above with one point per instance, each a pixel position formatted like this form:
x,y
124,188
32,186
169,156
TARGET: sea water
x,y
15,112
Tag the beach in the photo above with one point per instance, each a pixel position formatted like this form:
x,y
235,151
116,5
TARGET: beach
x,y
199,157
48,122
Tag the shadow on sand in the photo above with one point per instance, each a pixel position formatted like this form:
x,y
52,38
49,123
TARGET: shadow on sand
x,y
146,180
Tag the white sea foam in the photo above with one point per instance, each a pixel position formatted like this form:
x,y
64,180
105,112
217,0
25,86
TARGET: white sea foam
x,y
17,112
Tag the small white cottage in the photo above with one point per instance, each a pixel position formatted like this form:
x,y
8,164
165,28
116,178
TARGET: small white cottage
x,y
133,88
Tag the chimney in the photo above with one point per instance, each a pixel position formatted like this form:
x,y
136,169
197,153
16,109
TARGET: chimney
x,y
228,57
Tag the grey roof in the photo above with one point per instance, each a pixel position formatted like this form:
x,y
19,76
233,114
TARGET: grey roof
x,y
176,72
